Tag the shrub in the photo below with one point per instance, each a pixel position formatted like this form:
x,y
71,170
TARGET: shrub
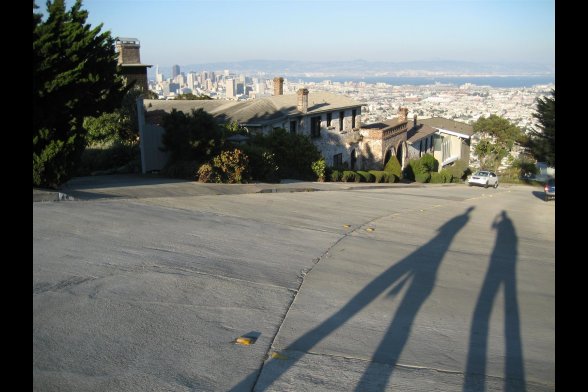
x,y
206,173
393,166
336,175
294,153
262,163
393,178
348,176
437,178
365,176
319,168
446,174
423,177
379,175
190,137
232,166
428,163
114,158
187,170
408,172
459,170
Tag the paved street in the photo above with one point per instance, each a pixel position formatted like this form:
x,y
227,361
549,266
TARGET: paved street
x,y
404,288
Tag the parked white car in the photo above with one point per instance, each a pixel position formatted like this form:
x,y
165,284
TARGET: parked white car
x,y
484,178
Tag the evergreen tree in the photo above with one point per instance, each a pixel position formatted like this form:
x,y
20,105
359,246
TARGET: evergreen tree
x,y
499,137
542,143
75,75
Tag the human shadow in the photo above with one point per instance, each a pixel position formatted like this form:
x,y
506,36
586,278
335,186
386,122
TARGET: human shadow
x,y
417,270
501,273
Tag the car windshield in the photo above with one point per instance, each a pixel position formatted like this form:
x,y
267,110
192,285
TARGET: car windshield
x,y
482,174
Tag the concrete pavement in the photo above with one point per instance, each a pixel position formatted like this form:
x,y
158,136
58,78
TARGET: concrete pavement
x,y
368,289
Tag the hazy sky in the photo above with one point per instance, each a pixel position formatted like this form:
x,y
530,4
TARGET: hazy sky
x,y
198,31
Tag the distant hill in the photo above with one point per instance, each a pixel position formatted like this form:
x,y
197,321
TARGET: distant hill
x,y
366,68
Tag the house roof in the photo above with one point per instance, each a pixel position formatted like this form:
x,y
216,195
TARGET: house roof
x,y
419,132
383,124
257,111
450,125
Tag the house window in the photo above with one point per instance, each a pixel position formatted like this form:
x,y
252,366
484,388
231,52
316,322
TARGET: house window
x,y
329,118
353,114
315,127
341,116
293,126
338,161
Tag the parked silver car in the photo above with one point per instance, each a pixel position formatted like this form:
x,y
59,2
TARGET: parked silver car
x,y
483,178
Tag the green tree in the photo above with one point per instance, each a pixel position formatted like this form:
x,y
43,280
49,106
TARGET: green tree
x,y
542,141
294,153
192,97
498,138
191,137
75,75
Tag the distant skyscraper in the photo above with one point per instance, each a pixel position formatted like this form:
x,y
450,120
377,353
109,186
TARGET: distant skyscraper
x,y
230,87
158,75
175,71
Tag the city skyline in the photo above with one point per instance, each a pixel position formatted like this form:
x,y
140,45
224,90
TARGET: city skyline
x,y
186,32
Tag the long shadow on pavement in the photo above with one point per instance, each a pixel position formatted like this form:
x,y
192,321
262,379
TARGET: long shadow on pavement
x,y
501,273
418,270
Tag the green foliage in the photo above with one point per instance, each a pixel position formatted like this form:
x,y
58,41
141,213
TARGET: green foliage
x,y
104,128
428,164
349,176
459,170
262,163
187,170
446,175
393,166
117,157
422,177
366,176
408,171
232,167
392,178
380,176
294,153
525,165
75,75
234,128
319,167
437,178
503,135
336,175
206,173
229,167
190,137
542,141
192,97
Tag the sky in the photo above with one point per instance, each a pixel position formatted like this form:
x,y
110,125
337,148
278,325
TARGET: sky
x,y
198,31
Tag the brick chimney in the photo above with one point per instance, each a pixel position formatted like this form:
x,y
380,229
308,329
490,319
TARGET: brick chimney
x,y
402,114
278,85
302,100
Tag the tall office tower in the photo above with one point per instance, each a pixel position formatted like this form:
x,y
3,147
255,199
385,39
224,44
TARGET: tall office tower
x,y
158,75
209,85
230,88
203,77
239,88
191,79
175,71
212,76
226,72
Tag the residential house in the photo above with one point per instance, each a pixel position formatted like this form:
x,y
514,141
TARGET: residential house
x,y
332,121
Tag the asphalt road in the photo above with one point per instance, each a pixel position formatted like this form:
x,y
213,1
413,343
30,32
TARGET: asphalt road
x,y
439,288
